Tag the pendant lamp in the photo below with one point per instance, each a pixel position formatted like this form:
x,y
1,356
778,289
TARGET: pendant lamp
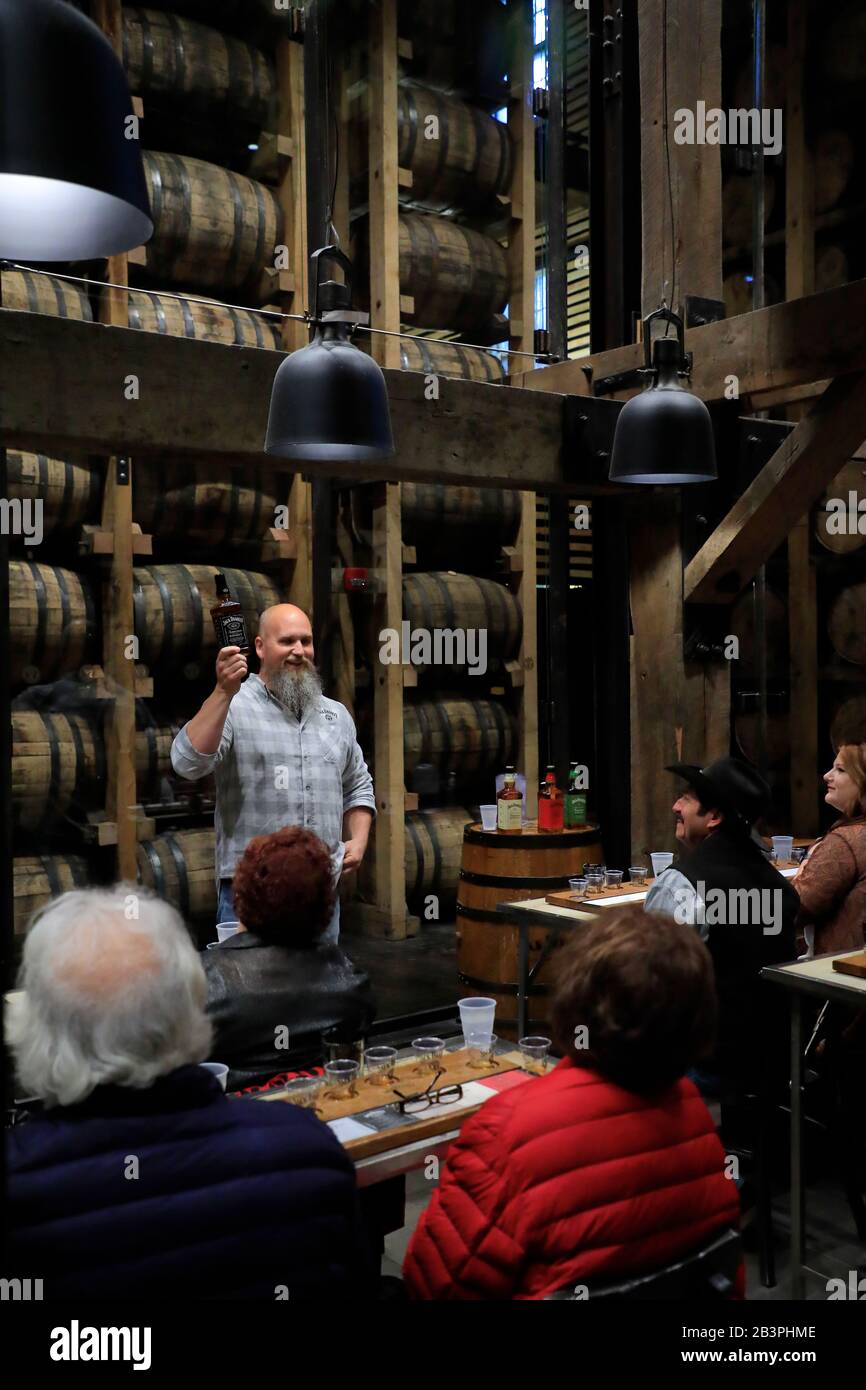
x,y
664,435
72,185
329,399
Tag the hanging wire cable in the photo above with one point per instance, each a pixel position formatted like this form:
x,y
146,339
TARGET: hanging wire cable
x,y
306,317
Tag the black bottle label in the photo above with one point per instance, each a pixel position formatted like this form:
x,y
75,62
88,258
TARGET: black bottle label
x,y
231,631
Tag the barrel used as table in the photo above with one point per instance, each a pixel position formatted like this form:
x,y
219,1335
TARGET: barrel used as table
x,y
509,868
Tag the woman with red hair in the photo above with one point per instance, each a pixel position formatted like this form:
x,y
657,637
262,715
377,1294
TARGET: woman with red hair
x,y
273,987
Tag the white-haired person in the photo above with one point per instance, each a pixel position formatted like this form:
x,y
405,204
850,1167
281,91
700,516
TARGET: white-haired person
x,y
140,1178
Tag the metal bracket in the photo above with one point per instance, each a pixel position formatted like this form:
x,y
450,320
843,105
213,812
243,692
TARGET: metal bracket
x,y
611,48
699,310
587,438
121,476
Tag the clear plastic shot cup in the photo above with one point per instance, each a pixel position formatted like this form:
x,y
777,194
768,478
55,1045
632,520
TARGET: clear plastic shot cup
x,y
302,1092
488,817
638,874
661,861
476,1019
379,1065
341,1078
535,1051
578,887
613,878
483,1054
429,1052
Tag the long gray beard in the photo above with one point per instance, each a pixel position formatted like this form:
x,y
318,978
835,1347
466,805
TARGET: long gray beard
x,y
297,692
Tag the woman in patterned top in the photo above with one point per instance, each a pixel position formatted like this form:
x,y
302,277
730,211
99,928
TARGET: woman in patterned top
x,y
831,882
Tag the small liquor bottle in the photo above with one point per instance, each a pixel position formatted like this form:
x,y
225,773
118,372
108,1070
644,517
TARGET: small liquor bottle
x,y
228,618
509,806
550,807
575,801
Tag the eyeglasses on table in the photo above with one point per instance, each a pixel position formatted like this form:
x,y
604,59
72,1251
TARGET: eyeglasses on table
x,y
423,1100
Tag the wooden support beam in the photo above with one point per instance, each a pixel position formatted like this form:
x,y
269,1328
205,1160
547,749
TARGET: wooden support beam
x,y
61,383
786,345
526,686
384,183
521,227
803,716
388,774
788,484
799,185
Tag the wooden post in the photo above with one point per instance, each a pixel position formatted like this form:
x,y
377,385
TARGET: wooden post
x,y
389,869
678,713
527,692
118,624
799,184
802,617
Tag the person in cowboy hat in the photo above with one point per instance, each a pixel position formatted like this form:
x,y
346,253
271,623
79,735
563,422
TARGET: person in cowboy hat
x,y
723,884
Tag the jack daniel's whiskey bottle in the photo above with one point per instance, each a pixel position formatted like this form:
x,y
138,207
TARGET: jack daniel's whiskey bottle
x,y
228,618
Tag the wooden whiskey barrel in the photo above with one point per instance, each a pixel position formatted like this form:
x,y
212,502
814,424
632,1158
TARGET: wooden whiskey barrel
x,y
207,503
849,722
850,479
461,736
167,56
58,768
52,621
447,601
846,624
742,625
737,291
212,227
179,866
69,489
831,267
437,357
440,507
153,756
737,194
172,603
832,163
843,46
32,292
433,843
209,323
460,156
508,868
778,736
457,277
40,877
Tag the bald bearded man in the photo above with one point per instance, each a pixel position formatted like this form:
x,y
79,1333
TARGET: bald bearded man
x,y
282,753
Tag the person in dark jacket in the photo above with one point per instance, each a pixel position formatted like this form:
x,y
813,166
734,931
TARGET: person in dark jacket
x,y
273,988
607,1167
141,1179
724,885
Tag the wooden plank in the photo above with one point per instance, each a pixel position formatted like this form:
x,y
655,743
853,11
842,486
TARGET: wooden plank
x,y
799,187
803,627
59,385
685,259
521,227
384,184
388,775
118,623
788,484
784,345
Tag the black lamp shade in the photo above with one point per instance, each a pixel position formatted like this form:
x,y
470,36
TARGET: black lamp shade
x,y
330,402
664,435
72,185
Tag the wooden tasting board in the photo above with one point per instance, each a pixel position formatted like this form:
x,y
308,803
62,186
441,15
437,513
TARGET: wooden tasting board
x,y
455,1068
565,898
852,965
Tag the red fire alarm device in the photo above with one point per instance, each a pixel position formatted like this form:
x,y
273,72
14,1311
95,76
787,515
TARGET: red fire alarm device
x,y
355,579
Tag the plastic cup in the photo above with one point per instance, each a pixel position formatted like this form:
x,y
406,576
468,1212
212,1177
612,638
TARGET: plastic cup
x,y
488,817
578,887
217,1069
594,869
613,878
594,884
660,862
302,1092
534,1052
379,1065
341,1078
429,1053
476,1019
227,929
638,873
482,1054
783,848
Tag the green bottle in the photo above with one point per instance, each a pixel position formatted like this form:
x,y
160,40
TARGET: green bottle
x,y
575,801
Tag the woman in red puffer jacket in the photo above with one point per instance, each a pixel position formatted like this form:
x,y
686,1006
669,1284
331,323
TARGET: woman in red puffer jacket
x,y
607,1167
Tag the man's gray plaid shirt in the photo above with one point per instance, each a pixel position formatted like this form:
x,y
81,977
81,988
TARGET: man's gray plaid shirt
x,y
273,770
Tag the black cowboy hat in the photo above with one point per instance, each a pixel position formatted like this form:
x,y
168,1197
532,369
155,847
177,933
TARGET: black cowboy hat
x,y
731,786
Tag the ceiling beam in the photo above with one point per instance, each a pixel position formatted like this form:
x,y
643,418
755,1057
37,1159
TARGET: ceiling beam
x,y
65,385
789,483
769,350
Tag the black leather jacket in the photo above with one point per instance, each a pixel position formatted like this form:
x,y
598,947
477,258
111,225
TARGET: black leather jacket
x,y
255,988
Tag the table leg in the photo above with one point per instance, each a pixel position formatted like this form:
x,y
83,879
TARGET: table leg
x,y
798,1196
522,979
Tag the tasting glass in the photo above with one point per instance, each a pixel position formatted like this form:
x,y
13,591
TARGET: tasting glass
x,y
613,878
482,1053
341,1079
429,1054
578,887
534,1051
379,1065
